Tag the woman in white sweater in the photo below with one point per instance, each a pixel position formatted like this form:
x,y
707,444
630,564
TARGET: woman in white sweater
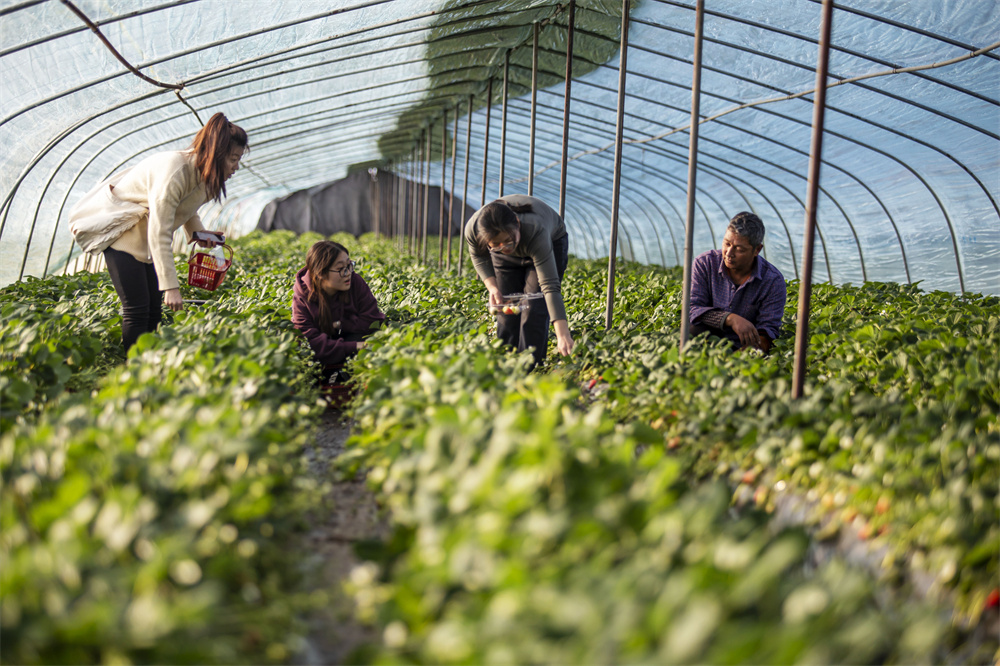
x,y
135,213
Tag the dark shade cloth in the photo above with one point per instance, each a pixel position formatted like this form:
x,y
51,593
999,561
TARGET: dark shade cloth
x,y
356,310
139,291
346,206
760,300
514,275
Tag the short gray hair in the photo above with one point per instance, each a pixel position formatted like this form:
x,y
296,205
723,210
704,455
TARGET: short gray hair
x,y
749,226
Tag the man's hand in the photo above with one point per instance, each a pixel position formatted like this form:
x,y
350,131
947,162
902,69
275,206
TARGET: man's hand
x,y
564,341
173,300
765,341
749,337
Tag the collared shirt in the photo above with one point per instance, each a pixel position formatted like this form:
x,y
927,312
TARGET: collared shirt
x,y
760,300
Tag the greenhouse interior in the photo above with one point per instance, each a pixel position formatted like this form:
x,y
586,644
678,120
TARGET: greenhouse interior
x,y
755,418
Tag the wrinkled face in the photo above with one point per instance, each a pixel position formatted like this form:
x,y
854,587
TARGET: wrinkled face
x,y
232,163
338,276
737,253
505,242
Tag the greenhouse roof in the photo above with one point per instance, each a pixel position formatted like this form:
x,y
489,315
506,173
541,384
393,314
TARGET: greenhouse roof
x,y
911,154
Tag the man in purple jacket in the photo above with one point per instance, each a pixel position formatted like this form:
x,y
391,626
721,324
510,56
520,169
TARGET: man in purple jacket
x,y
735,293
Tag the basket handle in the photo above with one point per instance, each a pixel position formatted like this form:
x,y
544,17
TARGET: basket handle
x,y
228,251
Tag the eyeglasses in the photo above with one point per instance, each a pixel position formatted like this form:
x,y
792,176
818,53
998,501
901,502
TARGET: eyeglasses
x,y
345,271
500,247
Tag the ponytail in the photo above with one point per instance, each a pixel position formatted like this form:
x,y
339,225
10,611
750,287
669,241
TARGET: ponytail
x,y
211,146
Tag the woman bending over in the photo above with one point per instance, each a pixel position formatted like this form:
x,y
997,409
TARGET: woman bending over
x,y
133,215
519,245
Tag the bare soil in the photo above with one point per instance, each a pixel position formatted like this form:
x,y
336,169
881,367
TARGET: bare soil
x,y
334,633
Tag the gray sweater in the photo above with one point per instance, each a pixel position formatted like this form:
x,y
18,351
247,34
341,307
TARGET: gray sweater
x,y
538,229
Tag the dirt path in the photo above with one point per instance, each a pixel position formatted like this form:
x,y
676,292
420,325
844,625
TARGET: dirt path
x,y
334,633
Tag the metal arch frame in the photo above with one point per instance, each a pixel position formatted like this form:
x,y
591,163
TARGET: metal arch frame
x,y
254,33
798,65
486,172
774,141
908,137
663,152
478,145
884,153
148,96
82,28
636,204
186,52
242,36
833,47
644,119
38,157
931,190
283,121
670,178
843,112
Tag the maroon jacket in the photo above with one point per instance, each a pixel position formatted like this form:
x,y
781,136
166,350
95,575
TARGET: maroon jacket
x,y
356,314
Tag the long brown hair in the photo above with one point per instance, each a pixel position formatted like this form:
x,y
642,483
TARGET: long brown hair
x,y
211,147
319,259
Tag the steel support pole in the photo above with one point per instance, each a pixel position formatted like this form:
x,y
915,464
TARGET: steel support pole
x,y
451,190
378,205
419,190
444,166
534,98
699,21
812,201
566,100
427,196
407,205
503,120
400,204
486,140
415,203
372,203
465,187
617,180
404,204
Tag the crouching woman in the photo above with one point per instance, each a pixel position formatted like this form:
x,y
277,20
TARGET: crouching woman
x,y
333,306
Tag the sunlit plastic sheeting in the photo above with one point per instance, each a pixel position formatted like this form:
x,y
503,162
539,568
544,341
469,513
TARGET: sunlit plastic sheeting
x,y
910,175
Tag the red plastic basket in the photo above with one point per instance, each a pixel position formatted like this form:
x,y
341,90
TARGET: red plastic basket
x,y
204,271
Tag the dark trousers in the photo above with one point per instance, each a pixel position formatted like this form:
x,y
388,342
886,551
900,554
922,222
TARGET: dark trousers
x,y
139,291
518,275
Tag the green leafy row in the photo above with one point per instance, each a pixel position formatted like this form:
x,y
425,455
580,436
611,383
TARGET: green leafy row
x,y
496,559
55,334
897,438
580,512
149,520
530,529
